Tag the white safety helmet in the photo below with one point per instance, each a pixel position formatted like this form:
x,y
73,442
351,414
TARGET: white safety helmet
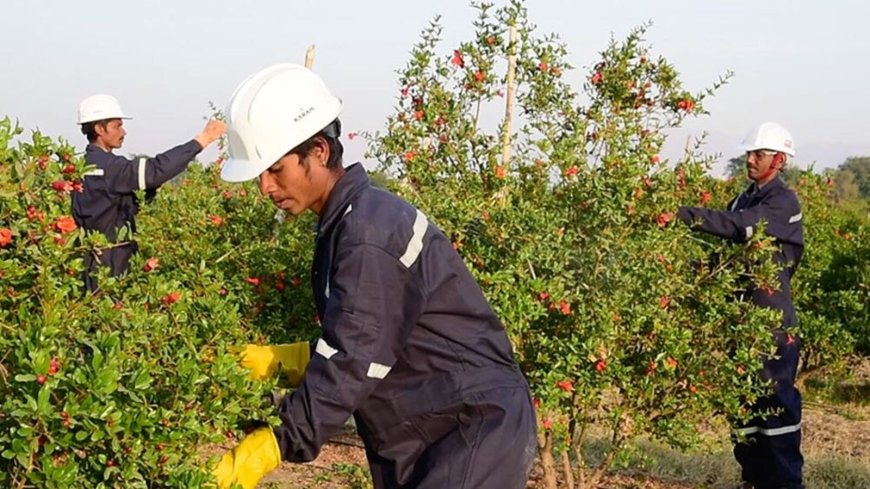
x,y
272,112
769,135
100,107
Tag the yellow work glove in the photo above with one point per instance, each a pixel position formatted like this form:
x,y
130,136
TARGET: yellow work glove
x,y
257,455
266,361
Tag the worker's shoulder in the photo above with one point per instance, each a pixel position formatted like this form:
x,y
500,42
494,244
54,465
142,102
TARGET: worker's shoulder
x,y
784,196
382,219
104,159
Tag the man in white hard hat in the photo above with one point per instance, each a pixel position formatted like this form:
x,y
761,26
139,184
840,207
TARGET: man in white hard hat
x,y
770,456
409,345
108,202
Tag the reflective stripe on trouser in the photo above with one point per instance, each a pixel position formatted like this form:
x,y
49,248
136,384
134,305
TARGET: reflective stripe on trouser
x,y
771,456
488,442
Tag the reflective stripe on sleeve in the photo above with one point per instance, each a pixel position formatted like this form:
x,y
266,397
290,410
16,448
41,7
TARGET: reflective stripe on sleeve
x,y
378,371
324,349
415,246
142,162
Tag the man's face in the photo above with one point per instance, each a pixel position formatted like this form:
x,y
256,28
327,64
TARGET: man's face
x,y
758,162
111,134
294,189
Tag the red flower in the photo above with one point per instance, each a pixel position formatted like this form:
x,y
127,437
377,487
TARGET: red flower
x,y
219,161
655,159
62,186
789,340
543,296
65,224
646,181
69,169
671,363
543,66
409,155
296,281
664,218
227,194
419,115
537,403
500,172
705,197
40,379
253,281
490,40
78,187
351,135
216,220
565,385
171,298
565,307
570,172
405,91
547,424
279,286
664,301
651,367
5,237
150,264
222,292
682,104
600,365
597,77
457,59
741,369
485,215
478,76
54,366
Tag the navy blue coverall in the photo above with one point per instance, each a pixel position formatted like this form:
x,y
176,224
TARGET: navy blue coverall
x,y
771,457
108,203
411,348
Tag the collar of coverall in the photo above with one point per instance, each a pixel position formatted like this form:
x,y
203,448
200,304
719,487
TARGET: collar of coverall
x,y
352,182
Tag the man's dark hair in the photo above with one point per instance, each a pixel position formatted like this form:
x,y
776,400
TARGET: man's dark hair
x,y
330,134
90,131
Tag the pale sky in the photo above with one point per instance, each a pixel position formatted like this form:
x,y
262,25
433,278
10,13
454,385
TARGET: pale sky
x,y
801,63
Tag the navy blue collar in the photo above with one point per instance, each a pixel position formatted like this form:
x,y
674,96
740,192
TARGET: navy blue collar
x,y
348,186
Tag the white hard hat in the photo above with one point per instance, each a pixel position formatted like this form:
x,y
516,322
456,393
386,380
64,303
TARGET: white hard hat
x,y
769,135
100,107
272,112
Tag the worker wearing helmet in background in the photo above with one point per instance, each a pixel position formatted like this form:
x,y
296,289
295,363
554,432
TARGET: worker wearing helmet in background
x,y
409,345
770,457
108,202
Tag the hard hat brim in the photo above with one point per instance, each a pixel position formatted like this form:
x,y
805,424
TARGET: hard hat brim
x,y
87,120
238,170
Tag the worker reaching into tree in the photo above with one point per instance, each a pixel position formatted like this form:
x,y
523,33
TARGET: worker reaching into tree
x,y
409,345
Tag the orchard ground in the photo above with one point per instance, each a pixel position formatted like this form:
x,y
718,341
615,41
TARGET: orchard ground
x,y
836,448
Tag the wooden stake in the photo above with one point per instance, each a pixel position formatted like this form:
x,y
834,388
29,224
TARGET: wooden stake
x,y
309,57
509,103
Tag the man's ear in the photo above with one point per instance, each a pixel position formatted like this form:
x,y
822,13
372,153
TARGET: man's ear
x,y
100,128
322,151
778,161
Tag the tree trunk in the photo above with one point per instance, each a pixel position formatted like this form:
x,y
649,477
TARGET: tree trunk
x,y
545,443
569,473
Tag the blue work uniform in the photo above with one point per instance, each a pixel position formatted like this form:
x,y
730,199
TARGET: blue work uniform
x,y
771,456
108,201
412,349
